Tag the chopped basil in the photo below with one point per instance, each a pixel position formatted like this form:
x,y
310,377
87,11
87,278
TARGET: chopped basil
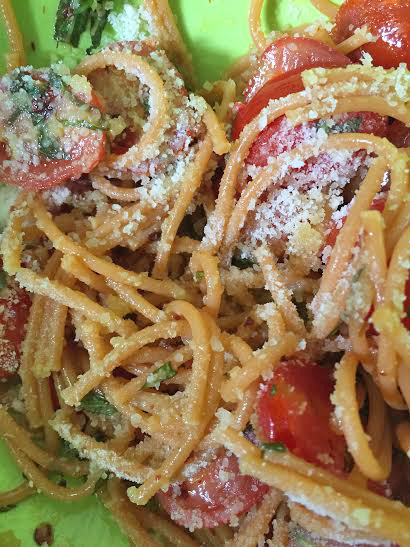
x,y
273,390
242,263
48,147
351,125
303,311
335,331
68,451
75,17
357,275
95,403
3,279
199,276
25,82
158,536
164,372
83,123
277,447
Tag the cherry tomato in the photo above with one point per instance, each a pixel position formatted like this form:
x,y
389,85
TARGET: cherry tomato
x,y
279,136
377,205
387,19
291,55
213,495
14,309
294,408
84,156
279,87
399,134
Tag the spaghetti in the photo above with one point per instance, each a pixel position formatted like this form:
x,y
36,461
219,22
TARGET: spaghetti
x,y
200,306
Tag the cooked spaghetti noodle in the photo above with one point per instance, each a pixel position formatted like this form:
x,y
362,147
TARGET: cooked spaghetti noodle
x,y
184,285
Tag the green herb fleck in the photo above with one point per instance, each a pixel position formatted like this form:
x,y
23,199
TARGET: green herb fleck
x,y
75,17
158,536
335,331
68,451
277,447
3,279
352,125
49,147
83,123
95,403
164,372
242,262
273,390
357,275
199,276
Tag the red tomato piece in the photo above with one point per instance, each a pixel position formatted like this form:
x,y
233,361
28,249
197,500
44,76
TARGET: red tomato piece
x,y
399,134
213,495
291,55
294,408
84,156
14,309
406,306
280,137
377,205
387,19
275,89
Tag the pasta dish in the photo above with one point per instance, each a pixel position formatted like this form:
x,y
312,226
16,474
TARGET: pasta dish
x,y
205,290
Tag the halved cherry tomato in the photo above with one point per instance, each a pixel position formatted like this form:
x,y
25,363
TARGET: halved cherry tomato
x,y
275,89
291,55
84,156
294,408
377,205
279,136
387,19
214,495
399,134
14,309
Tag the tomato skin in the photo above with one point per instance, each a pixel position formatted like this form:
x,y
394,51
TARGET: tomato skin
x,y
399,134
277,137
15,306
275,89
377,205
214,495
292,55
295,408
84,156
387,19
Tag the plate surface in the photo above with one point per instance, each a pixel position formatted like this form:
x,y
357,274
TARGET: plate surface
x,y
216,32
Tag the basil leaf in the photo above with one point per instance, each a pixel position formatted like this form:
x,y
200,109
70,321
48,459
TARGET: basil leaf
x,y
74,17
199,276
165,372
277,447
47,146
3,279
68,451
242,263
83,123
95,403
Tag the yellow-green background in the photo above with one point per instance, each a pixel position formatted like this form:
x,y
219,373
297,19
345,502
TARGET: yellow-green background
x,y
216,32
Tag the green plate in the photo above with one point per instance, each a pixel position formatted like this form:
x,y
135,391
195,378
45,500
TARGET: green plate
x,y
216,32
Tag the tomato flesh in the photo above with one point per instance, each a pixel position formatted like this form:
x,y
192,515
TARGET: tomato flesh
x,y
389,20
15,306
294,408
399,134
292,55
280,137
84,156
214,495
